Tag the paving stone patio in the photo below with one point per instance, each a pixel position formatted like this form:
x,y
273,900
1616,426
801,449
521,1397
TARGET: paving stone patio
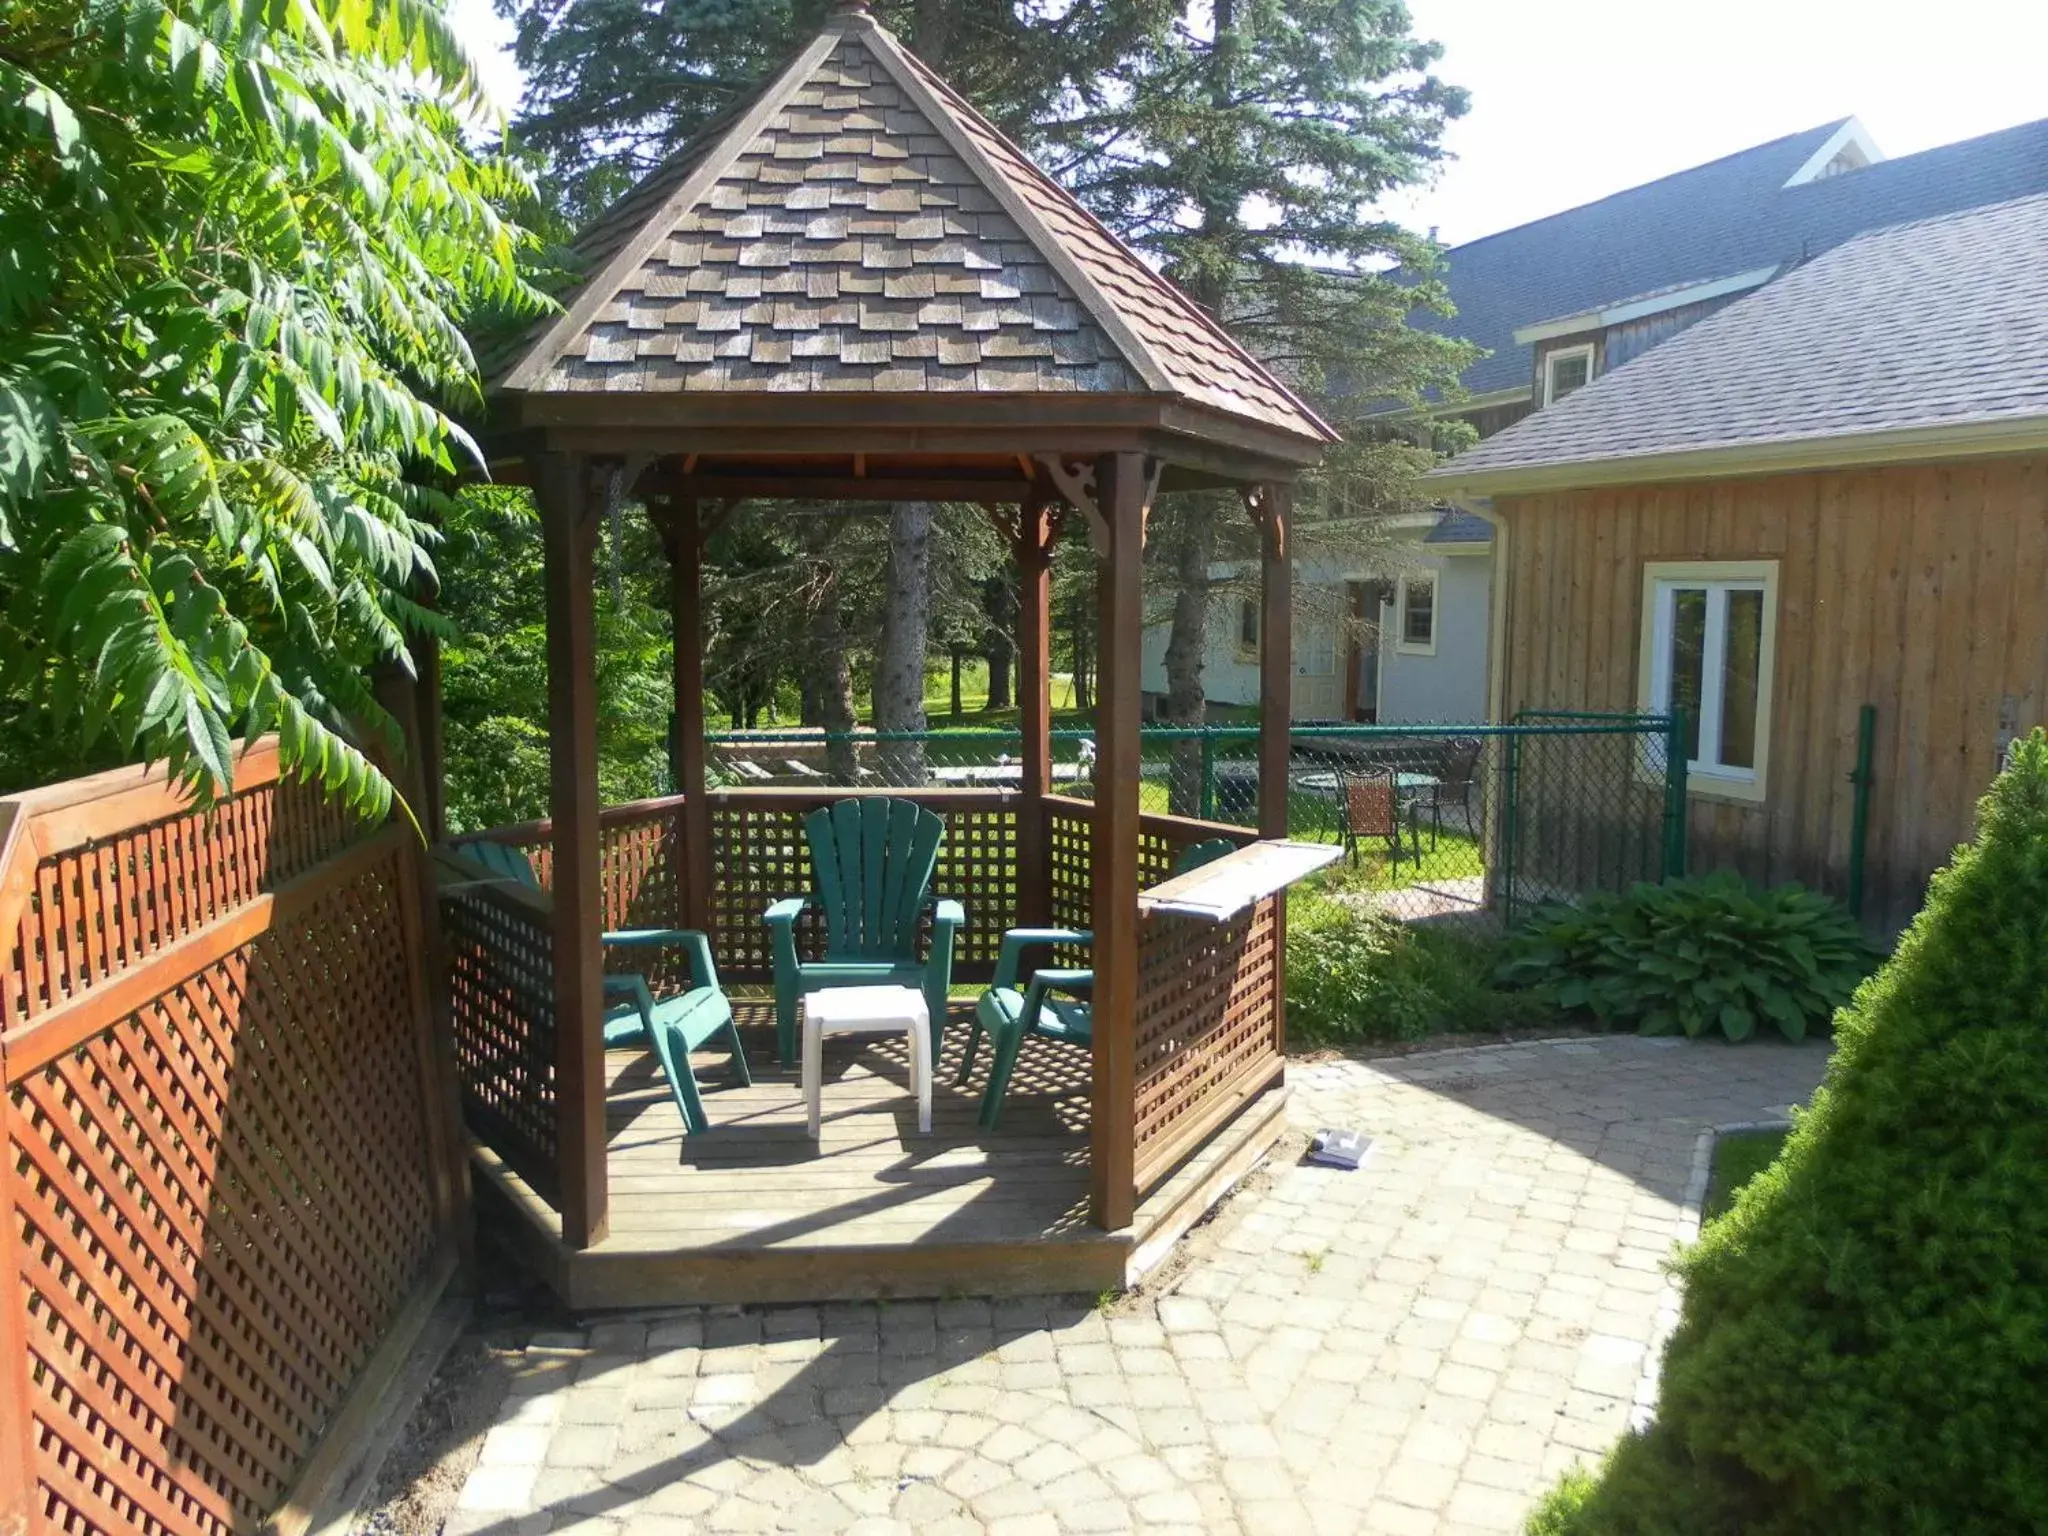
x,y
1421,1346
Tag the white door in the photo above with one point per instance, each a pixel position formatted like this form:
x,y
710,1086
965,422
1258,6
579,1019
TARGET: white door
x,y
1318,685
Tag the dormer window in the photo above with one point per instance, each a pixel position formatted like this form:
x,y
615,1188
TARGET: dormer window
x,y
1566,369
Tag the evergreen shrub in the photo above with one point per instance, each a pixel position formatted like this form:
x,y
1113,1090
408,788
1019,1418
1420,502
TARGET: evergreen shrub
x,y
1864,1340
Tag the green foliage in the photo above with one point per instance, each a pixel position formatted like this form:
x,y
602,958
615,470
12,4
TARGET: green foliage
x,y
1865,1334
1356,976
1249,149
238,242
1694,956
494,673
1560,1508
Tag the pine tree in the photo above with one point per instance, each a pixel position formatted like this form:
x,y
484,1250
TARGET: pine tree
x,y
1247,148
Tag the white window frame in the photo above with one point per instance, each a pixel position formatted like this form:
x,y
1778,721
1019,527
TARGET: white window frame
x,y
1402,643
1550,361
1706,775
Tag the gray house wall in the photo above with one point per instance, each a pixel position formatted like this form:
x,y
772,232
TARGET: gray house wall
x,y
1412,688
1450,685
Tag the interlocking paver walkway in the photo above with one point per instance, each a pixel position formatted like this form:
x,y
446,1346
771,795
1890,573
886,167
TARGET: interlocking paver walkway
x,y
1418,1347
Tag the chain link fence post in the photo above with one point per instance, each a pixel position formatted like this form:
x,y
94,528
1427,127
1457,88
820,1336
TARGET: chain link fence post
x,y
1674,794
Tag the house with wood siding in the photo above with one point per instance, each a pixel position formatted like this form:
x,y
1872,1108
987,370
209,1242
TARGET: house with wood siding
x,y
1555,304
1831,494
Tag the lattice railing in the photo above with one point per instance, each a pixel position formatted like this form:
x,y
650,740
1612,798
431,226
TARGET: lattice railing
x,y
497,954
759,856
227,1184
1207,1029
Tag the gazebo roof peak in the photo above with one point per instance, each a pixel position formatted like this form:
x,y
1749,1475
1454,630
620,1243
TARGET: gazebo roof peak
x,y
856,228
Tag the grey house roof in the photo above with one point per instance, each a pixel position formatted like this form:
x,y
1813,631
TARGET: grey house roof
x,y
1932,334
1455,527
1716,220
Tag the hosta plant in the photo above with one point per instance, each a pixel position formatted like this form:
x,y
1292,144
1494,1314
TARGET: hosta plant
x,y
1695,956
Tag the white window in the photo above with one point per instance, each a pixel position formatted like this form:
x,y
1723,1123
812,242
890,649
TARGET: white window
x,y
1709,632
1415,622
1248,629
1566,369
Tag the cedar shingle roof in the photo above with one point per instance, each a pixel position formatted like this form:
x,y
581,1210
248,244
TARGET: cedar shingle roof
x,y
856,226
1937,327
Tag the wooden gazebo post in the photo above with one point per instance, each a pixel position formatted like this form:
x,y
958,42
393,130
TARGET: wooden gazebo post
x,y
683,532
1034,706
1274,511
1121,489
569,508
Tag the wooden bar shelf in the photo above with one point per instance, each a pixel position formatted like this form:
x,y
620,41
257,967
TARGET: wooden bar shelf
x,y
1235,883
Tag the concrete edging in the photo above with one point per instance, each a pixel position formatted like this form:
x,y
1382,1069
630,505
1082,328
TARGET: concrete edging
x,y
1686,1232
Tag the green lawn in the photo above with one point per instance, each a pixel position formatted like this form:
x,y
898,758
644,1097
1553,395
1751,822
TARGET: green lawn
x,y
1739,1157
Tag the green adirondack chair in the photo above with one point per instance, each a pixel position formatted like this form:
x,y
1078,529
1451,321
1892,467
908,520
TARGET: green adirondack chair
x,y
674,1025
871,873
1055,1005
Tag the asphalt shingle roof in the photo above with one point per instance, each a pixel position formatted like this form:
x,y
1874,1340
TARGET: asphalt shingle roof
x,y
857,226
1732,215
1455,527
1942,322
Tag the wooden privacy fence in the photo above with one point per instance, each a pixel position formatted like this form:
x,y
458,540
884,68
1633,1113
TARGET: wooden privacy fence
x,y
231,1186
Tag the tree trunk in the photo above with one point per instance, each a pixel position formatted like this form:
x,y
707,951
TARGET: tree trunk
x,y
829,679
958,653
900,657
999,641
1078,626
1196,515
1186,703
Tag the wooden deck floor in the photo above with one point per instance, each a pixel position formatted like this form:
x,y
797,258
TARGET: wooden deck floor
x,y
754,1210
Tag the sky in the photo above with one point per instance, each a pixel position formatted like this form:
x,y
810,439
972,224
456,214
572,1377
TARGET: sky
x,y
1574,99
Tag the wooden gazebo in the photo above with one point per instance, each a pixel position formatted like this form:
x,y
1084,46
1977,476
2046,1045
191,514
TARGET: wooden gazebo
x,y
855,289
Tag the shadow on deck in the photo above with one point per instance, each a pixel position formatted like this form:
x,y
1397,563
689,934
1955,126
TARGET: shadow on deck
x,y
755,1211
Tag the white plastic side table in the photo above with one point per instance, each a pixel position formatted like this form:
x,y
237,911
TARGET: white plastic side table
x,y
867,1011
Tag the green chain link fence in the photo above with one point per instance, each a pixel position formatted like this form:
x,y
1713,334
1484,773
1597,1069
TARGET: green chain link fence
x,y
1444,821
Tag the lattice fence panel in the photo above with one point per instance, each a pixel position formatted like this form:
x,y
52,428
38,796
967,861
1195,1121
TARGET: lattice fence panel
x,y
106,905
1069,861
220,1205
499,957
1206,1023
759,855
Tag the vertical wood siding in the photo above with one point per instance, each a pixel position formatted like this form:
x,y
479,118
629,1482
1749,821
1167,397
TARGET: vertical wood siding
x,y
1921,589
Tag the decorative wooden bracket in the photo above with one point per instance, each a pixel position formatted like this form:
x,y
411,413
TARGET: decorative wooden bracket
x,y
1153,469
1077,486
